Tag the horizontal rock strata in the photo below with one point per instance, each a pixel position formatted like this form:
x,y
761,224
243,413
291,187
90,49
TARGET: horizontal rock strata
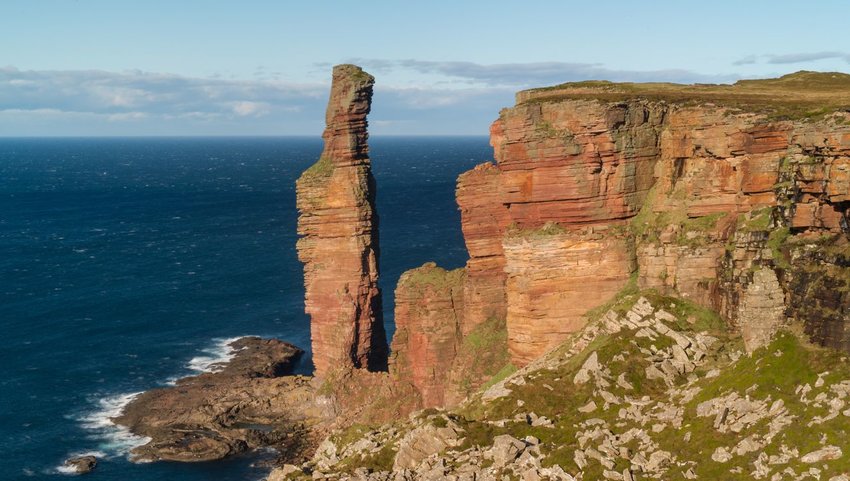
x,y
339,243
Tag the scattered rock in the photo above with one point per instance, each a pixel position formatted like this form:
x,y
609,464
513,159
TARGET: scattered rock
x,y
246,403
505,449
826,453
81,464
721,455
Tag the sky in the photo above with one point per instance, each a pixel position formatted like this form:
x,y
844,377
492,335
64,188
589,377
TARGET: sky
x,y
262,67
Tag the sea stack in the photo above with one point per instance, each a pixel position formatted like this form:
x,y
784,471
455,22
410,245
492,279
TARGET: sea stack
x,y
338,226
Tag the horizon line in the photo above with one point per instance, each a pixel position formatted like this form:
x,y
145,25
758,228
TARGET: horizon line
x,y
222,136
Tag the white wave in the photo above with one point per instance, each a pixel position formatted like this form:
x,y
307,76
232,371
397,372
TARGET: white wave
x,y
65,469
114,440
214,357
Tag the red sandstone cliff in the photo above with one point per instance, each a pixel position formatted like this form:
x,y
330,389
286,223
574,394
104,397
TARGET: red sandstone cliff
x,y
734,197
339,243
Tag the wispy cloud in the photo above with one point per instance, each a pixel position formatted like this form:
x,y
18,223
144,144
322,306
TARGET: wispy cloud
x,y
538,73
792,58
113,93
452,98
94,102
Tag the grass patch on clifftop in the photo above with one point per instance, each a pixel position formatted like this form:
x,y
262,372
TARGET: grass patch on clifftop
x,y
430,275
323,168
798,96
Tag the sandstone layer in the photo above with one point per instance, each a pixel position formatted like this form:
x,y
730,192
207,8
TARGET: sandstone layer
x,y
432,352
543,224
709,193
423,352
339,229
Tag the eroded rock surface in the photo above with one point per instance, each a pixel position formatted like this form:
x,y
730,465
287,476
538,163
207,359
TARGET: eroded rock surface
x,y
250,402
709,201
81,464
339,229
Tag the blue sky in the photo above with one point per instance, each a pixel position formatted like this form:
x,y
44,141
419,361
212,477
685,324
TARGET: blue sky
x,y
252,67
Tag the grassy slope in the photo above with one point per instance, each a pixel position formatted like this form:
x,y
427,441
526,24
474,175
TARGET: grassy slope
x,y
794,96
773,372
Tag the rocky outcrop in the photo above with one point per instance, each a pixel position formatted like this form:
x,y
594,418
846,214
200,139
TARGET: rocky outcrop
x,y
537,222
431,351
697,189
81,464
819,289
762,309
554,278
423,352
484,218
250,402
643,392
339,229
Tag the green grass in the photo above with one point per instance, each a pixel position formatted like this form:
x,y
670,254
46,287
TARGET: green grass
x,y
758,220
486,336
798,96
776,242
691,316
322,169
350,434
380,461
502,374
481,356
430,275
777,376
694,230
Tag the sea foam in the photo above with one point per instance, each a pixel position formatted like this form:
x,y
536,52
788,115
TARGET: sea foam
x,y
115,440
214,357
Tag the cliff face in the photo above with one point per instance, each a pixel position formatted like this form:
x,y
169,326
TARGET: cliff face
x,y
339,229
544,224
443,359
429,306
734,197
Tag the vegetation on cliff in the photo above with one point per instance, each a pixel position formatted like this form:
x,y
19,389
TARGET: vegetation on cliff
x,y
798,96
649,391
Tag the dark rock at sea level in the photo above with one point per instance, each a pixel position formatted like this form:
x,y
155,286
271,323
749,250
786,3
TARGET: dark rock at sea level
x,y
249,402
82,464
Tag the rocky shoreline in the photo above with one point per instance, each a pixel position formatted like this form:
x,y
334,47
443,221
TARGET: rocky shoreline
x,y
250,402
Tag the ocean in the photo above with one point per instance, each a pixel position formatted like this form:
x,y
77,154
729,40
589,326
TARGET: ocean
x,y
126,263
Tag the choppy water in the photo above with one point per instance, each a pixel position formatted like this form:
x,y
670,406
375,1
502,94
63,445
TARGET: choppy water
x,y
127,263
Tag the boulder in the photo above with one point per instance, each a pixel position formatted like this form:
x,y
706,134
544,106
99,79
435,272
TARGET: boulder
x,y
81,464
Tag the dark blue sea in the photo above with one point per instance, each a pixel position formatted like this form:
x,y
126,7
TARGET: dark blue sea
x,y
126,263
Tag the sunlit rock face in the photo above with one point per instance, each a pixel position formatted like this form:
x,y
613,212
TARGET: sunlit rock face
x,y
339,229
592,188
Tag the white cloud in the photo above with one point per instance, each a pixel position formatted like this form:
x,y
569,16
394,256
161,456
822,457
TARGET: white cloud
x,y
113,93
538,74
247,108
126,116
792,58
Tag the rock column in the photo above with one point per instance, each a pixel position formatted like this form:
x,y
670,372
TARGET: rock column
x,y
339,228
